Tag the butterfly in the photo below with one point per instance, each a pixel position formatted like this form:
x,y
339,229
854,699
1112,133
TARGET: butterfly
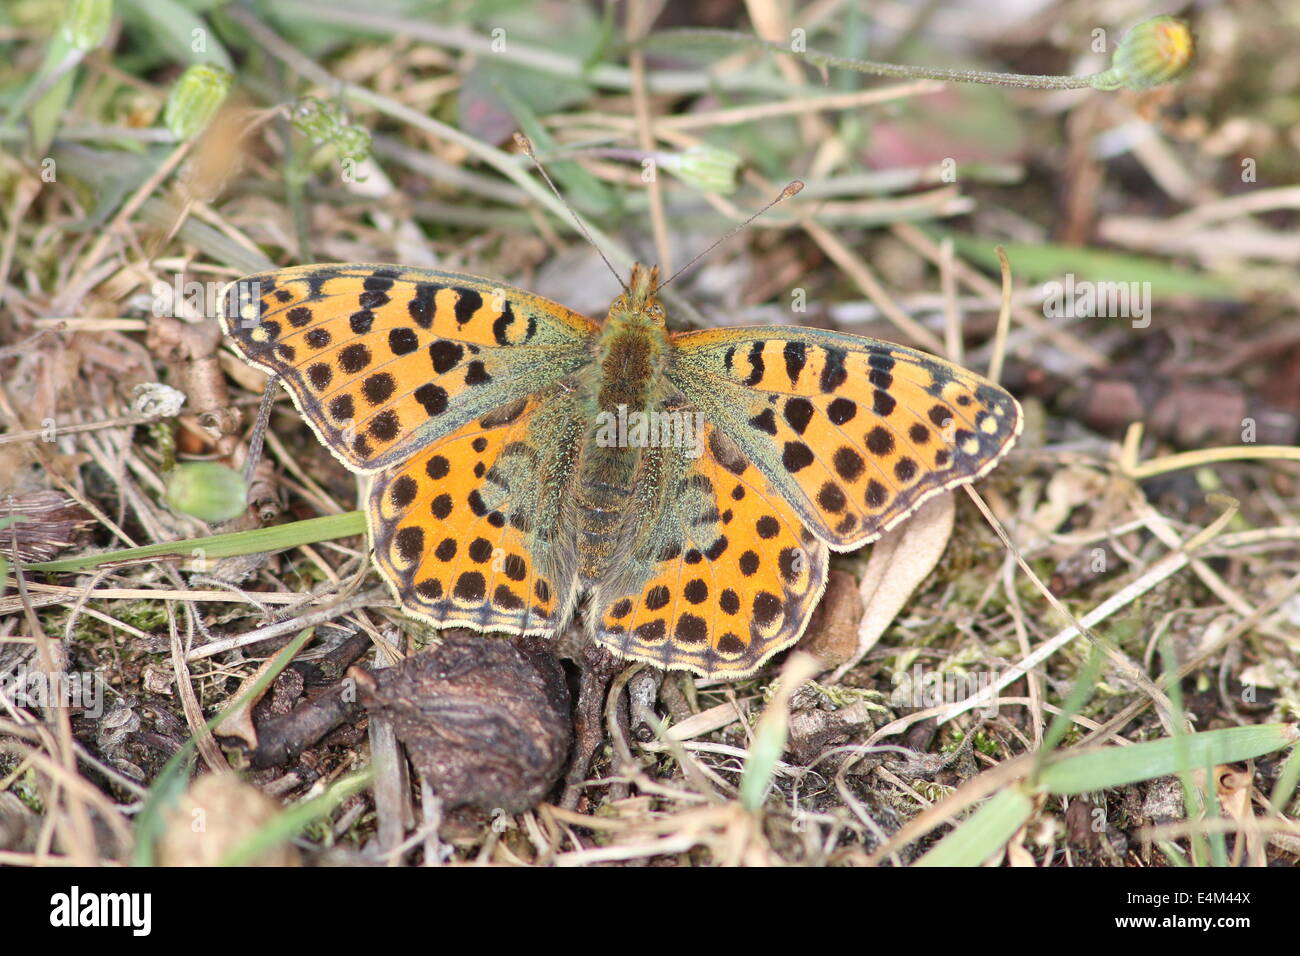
x,y
686,487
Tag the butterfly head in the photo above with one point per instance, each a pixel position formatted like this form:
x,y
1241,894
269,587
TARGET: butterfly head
x,y
639,305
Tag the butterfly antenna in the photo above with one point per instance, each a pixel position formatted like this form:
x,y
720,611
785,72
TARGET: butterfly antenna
x,y
791,189
524,143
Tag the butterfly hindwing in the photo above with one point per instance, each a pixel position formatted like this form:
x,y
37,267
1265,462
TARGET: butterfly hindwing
x,y
855,433
731,578
382,360
466,530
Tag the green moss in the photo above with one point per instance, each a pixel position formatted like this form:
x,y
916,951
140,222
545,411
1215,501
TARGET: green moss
x,y
142,615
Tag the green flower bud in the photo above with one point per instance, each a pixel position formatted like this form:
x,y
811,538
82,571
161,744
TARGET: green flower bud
x,y
206,490
1156,51
195,99
326,123
86,22
705,167
353,143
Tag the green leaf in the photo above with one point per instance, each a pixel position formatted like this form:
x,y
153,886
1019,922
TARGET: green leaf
x,y
769,743
984,833
1084,771
1040,262
55,79
184,36
1285,787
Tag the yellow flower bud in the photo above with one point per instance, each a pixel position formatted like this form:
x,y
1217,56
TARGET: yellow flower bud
x,y
1156,51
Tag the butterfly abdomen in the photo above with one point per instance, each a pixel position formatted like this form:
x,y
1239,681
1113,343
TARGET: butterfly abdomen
x,y
623,384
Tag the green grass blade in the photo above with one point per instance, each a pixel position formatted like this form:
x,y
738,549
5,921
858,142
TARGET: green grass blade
x,y
1173,854
1286,782
1195,796
772,732
287,824
1099,769
1083,687
275,538
48,112
984,833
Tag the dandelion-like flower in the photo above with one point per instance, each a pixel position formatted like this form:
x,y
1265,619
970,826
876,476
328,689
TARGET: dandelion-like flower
x,y
1156,51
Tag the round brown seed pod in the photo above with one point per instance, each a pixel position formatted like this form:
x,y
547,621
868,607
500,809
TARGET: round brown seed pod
x,y
487,722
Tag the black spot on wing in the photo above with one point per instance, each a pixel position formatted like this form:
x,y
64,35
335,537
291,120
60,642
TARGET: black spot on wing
x,y
841,410
445,355
467,303
834,373
360,322
765,421
756,364
432,397
798,413
421,305
501,326
796,356
402,341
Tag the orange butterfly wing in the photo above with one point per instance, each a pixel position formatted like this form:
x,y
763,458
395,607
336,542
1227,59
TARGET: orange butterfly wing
x,y
733,582
854,432
461,529
381,359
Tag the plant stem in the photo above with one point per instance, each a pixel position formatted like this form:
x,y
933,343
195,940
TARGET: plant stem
x,y
823,59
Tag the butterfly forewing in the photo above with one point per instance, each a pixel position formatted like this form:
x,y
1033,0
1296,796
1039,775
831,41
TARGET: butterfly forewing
x,y
382,360
856,433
